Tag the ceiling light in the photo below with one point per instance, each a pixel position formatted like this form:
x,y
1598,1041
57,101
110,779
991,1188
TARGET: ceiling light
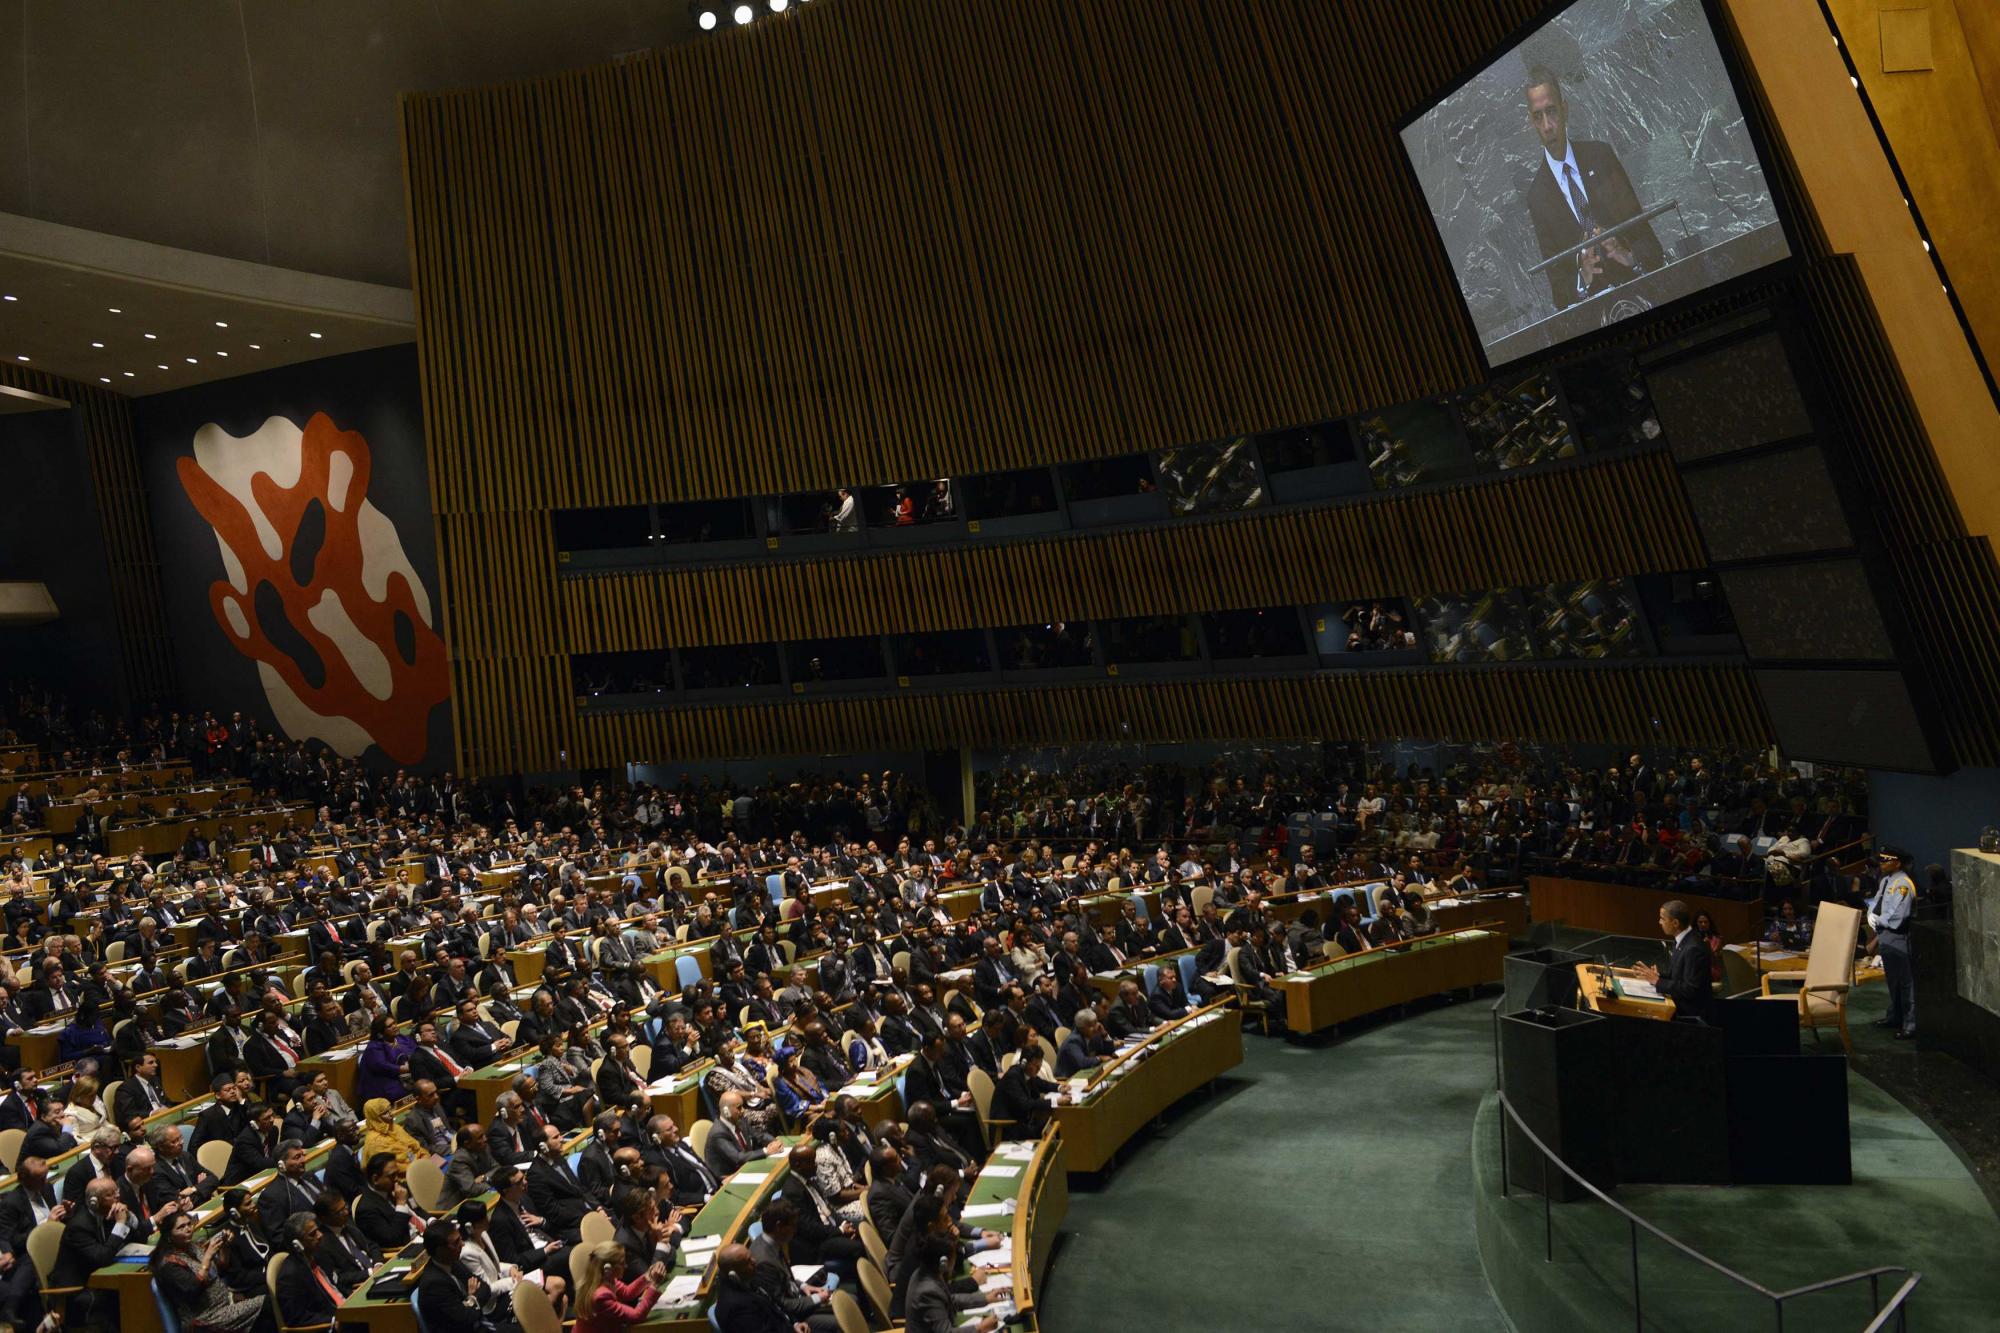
x,y
114,310
99,346
222,354
163,365
256,347
743,14
106,379
220,325
127,374
315,335
190,360
20,358
707,21
9,298
778,6
152,337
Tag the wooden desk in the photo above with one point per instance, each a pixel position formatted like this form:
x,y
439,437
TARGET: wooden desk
x,y
1345,988
1507,911
1590,986
1126,1093
1041,1192
1628,909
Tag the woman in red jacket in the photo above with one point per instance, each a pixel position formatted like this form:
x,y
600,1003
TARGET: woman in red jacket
x,y
609,1302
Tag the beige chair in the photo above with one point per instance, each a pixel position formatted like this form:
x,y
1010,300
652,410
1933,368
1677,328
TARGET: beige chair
x,y
899,963
532,1309
871,1241
697,1137
511,1027
214,1157
298,985
1201,898
595,1228
1829,975
109,1097
847,1314
1048,1054
10,1146
642,1060
579,1259
980,1084
44,1242
426,1179
877,1288
271,1291
1245,994
115,952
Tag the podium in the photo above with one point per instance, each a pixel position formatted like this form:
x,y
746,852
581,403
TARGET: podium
x,y
1542,1055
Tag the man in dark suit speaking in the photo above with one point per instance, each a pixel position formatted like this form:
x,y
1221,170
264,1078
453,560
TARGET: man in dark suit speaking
x,y
1687,977
1579,190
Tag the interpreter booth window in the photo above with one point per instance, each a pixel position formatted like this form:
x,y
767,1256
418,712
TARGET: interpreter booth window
x,y
820,661
1149,640
731,667
1311,463
700,522
942,653
1487,626
912,504
806,512
1412,444
1112,490
1688,613
613,677
1367,631
1598,618
1024,500
1061,645
1262,633
1517,423
1610,406
1216,478
626,527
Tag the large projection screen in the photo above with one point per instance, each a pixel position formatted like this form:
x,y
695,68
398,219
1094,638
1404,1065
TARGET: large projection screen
x,y
1598,168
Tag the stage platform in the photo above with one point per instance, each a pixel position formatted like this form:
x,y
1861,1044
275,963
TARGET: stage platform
x,y
1914,1202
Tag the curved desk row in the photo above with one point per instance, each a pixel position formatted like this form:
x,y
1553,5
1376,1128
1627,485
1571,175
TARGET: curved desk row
x,y
1129,1090
1348,987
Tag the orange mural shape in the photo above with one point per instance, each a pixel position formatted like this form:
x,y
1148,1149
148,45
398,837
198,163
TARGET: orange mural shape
x,y
367,679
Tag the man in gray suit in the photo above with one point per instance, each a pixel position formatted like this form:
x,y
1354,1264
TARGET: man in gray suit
x,y
772,1253
729,1145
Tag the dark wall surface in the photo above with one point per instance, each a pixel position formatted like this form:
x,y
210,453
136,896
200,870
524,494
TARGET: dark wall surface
x,y
322,612
49,533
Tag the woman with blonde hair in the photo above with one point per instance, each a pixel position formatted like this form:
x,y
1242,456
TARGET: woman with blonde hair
x,y
84,1112
607,1301
383,1135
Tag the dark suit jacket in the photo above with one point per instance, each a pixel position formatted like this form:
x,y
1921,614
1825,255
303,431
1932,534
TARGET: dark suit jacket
x,y
45,1141
1017,1098
424,1063
131,1100
17,1219
343,1174
888,1200
510,1237
442,1289
724,1154
79,1174
380,1221
558,1197
1612,200
1687,977
301,1299
473,1045
251,1153
747,1308
88,1245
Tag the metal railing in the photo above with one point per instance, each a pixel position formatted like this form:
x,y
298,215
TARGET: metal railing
x,y
1893,1315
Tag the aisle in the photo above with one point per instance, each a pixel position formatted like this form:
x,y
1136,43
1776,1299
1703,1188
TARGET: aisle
x,y
1298,1198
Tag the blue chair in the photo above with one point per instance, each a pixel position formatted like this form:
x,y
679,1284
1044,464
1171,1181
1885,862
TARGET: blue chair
x,y
169,1321
1152,977
902,1097
417,1309
687,969
1187,975
715,1318
775,886
1139,901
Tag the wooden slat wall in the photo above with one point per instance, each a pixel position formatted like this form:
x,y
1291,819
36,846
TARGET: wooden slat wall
x,y
895,238
1667,705
104,421
1628,515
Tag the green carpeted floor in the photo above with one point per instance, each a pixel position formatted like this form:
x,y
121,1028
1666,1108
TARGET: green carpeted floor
x,y
1327,1186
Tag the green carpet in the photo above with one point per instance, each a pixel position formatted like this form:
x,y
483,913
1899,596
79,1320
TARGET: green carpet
x,y
1327,1186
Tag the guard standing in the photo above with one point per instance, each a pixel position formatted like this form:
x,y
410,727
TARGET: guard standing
x,y
1889,912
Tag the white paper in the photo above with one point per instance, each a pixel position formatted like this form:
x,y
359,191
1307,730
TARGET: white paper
x,y
1634,989
999,1172
681,1290
1000,1209
802,1272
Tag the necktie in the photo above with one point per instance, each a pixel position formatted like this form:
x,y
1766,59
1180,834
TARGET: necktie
x,y
291,1056
332,1292
1579,202
452,1066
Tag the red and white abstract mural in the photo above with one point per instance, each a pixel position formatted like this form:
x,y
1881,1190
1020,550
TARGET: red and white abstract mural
x,y
319,590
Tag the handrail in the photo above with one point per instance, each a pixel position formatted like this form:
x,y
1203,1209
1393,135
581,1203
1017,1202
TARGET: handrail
x,y
1898,1306
1777,1298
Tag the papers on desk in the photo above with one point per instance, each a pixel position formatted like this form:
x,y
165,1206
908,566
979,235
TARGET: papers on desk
x,y
137,1250
179,1043
1632,988
999,1172
1298,976
997,1282
803,1273
1016,1150
48,1029
698,1249
1003,1208
1002,1256
680,1291
338,1053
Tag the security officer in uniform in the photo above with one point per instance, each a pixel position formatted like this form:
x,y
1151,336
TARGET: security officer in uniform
x,y
1889,912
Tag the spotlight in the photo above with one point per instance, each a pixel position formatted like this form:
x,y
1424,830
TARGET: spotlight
x,y
152,337
98,345
9,298
220,325
315,335
707,20
779,6
744,14
104,379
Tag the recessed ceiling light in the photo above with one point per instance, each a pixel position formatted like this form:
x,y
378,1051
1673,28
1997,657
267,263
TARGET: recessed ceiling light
x,y
98,345
163,365
220,325
743,14
105,379
20,358
128,374
256,347
315,335
9,298
152,337
707,21
114,310
222,354
190,360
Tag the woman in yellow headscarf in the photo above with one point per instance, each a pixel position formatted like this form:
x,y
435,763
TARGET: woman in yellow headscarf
x,y
382,1134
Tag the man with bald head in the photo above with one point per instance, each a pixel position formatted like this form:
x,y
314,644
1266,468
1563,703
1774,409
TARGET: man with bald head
x,y
91,1239
741,1306
729,1142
